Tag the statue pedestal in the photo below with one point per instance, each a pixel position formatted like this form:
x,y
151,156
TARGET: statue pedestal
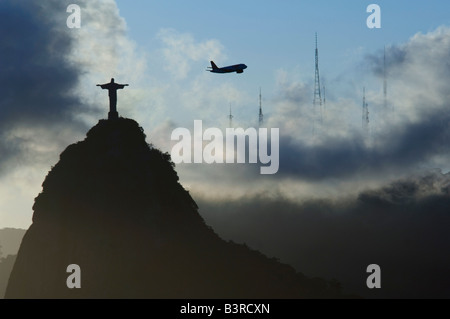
x,y
113,115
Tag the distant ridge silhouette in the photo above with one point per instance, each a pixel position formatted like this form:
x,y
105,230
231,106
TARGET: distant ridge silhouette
x,y
114,206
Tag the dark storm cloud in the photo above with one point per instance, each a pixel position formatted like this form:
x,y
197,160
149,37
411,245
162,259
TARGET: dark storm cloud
x,y
403,227
398,149
36,79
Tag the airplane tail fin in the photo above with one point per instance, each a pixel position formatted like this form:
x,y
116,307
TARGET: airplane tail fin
x,y
213,65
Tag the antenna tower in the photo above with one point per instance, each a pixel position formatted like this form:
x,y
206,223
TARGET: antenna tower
x,y
230,117
261,116
317,95
384,81
324,116
365,113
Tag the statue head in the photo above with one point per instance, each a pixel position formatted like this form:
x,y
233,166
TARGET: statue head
x,y
112,80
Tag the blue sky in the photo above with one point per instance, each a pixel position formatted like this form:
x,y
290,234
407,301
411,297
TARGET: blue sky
x,y
280,34
271,36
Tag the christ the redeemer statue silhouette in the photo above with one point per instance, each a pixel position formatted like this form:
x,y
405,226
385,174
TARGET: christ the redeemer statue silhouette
x,y
112,87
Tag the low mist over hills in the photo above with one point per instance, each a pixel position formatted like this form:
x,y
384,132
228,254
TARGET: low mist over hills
x,y
402,226
10,239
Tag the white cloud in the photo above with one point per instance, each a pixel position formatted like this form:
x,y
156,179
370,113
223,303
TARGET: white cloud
x,y
339,160
181,49
102,50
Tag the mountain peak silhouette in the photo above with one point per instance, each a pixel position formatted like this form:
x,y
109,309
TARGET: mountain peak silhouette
x,y
114,206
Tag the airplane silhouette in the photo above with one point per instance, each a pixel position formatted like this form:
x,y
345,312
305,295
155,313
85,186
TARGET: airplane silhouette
x,y
238,68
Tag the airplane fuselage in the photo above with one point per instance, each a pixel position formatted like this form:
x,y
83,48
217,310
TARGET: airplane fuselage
x,y
238,68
